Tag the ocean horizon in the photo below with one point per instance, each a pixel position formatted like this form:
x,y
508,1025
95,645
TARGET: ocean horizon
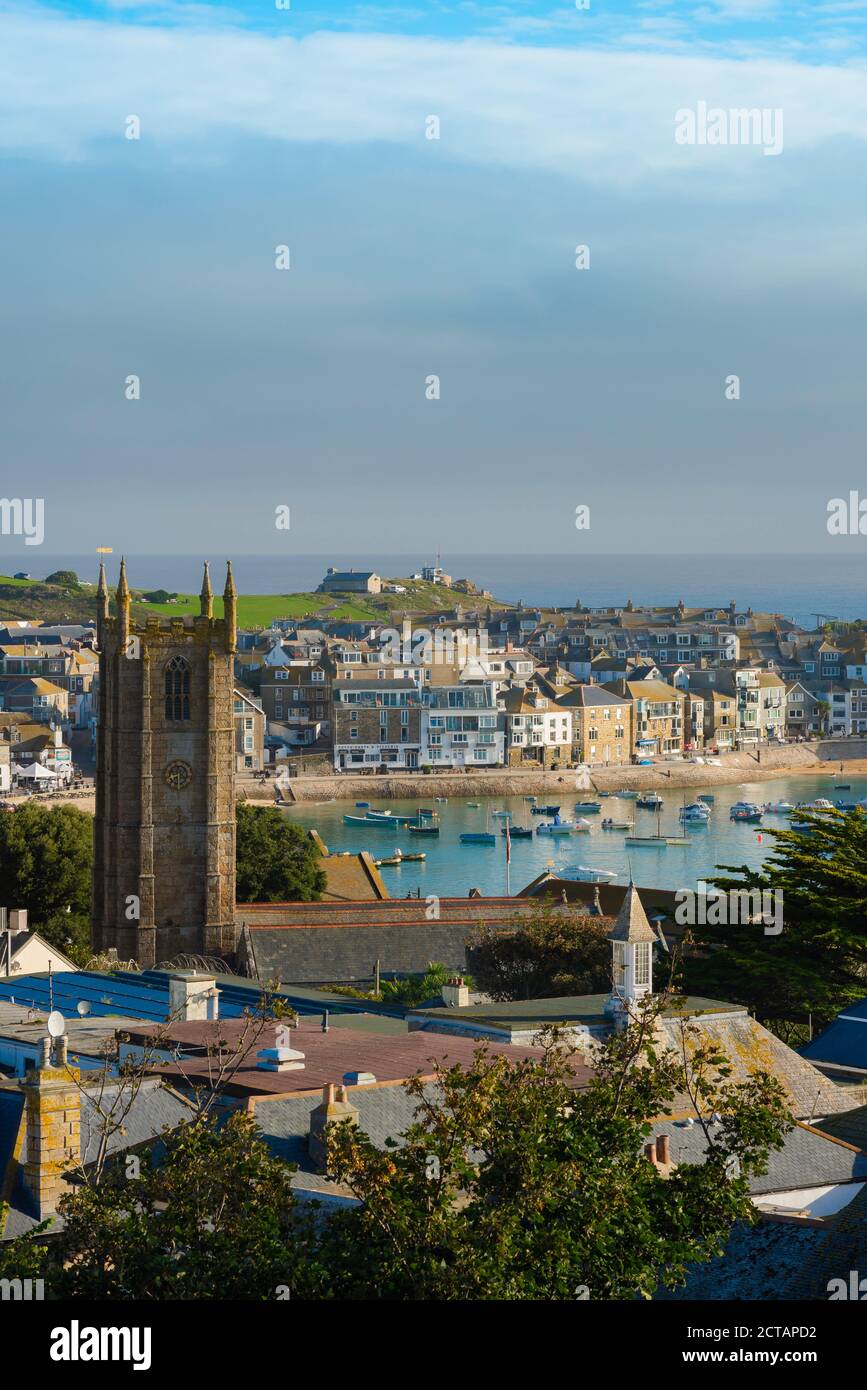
x,y
796,586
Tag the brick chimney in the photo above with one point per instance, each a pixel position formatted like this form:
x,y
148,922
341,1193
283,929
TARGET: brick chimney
x,y
455,994
52,1108
659,1154
334,1109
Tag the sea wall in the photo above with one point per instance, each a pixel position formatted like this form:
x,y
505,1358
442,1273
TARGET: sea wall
x,y
733,768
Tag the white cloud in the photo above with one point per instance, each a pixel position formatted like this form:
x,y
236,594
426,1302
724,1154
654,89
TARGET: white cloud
x,y
66,85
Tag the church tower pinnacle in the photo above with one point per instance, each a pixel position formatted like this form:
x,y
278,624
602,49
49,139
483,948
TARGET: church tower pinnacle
x,y
206,598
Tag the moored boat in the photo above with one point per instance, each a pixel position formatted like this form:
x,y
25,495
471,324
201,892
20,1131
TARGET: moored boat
x,y
479,837
650,801
582,873
423,829
588,808
518,832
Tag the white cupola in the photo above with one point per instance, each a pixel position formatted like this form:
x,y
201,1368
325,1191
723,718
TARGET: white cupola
x,y
632,939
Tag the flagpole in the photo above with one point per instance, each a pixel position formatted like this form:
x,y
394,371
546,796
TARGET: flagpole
x,y
508,860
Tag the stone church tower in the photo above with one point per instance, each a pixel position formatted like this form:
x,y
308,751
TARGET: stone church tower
x,y
164,830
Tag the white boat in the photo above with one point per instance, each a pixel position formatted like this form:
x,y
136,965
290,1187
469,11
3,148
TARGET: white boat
x,y
626,795
697,813
501,813
778,808
581,873
562,827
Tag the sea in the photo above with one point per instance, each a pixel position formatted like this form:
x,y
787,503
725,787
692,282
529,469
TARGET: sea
x,y
451,868
805,587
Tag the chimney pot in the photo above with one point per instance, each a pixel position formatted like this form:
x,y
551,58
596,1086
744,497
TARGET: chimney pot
x,y
650,1152
663,1148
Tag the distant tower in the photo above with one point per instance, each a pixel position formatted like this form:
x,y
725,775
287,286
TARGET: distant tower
x,y
164,829
632,939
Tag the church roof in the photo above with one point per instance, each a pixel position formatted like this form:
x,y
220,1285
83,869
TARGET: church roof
x,y
632,924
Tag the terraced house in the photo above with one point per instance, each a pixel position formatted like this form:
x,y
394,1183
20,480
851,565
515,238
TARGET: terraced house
x,y
459,727
601,725
657,715
377,723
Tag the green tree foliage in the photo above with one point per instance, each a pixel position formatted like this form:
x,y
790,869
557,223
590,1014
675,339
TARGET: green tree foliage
x,y
557,952
46,859
211,1222
67,579
276,862
69,932
158,596
412,990
818,963
516,1185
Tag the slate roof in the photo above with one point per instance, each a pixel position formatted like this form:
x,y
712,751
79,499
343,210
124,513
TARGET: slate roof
x,y
154,1109
750,1047
808,1157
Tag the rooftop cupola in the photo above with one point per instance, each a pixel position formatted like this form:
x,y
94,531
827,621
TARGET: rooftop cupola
x,y
632,939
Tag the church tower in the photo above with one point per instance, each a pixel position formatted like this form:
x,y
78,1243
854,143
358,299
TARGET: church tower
x,y
164,829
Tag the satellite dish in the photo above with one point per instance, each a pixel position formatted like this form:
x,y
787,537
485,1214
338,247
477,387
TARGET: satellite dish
x,y
83,1008
56,1024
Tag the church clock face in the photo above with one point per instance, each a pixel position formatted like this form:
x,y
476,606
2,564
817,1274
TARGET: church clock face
x,y
178,775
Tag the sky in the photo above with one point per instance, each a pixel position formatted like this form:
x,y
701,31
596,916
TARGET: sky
x,y
311,388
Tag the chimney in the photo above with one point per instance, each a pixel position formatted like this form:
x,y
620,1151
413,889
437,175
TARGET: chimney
x,y
52,1110
455,994
335,1108
663,1148
192,997
282,1056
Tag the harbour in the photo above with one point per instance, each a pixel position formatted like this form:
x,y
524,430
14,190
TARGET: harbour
x,y
688,851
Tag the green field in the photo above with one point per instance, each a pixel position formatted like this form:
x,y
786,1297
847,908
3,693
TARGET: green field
x,y
50,603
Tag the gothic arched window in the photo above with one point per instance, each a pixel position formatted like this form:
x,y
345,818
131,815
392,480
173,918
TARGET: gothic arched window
x,y
177,689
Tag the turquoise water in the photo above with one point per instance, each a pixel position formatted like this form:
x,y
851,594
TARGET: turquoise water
x,y
452,869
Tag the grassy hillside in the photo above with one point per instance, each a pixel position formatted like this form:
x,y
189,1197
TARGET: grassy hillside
x,y
51,603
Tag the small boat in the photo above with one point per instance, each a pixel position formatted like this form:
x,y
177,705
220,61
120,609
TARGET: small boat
x,y
820,804
707,799
555,827
545,810
518,832
426,811
423,829
473,805
778,808
440,798
505,814
581,873
695,814
391,817
678,840
650,801
627,795
529,798
844,787
647,841
397,858
363,804
367,821
617,825
746,813
588,808
478,838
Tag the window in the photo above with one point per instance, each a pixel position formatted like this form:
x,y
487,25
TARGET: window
x,y
642,963
353,733
317,676
177,689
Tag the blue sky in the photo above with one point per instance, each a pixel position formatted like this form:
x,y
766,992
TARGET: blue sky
x,y
412,257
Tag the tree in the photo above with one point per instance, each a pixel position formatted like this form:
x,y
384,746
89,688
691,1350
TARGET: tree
x,y
67,579
212,1221
158,596
816,964
69,932
276,862
412,990
556,952
516,1185
46,860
